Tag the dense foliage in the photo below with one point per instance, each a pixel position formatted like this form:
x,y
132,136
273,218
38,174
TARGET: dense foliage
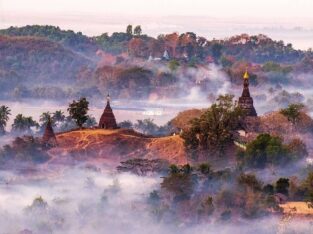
x,y
268,150
26,149
213,131
78,111
5,112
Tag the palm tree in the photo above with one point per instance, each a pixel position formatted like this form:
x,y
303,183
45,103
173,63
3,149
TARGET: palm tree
x,y
4,118
44,117
58,116
23,124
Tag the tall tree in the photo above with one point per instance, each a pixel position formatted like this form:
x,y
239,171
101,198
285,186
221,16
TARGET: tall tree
x,y
137,30
44,117
5,112
78,111
213,131
58,116
129,29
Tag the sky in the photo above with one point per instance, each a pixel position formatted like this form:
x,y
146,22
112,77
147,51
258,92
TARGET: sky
x,y
290,20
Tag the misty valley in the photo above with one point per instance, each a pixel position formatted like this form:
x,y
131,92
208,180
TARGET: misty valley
x,y
129,133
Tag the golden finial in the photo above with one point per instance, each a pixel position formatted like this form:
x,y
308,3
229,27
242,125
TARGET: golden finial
x,y
246,75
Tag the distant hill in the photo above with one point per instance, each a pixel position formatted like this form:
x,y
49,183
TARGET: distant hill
x,y
68,38
48,62
32,61
255,48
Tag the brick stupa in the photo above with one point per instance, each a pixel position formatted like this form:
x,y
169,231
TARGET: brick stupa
x,y
107,120
49,136
246,101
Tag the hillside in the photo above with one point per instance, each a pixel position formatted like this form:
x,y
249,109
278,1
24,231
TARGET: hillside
x,y
75,41
59,62
33,61
114,146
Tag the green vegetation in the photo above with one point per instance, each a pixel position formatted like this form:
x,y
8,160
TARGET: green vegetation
x,y
5,112
25,149
173,65
23,124
69,38
78,111
213,131
292,112
268,150
129,30
276,67
137,30
148,127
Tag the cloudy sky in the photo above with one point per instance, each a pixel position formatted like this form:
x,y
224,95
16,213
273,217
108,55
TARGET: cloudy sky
x,y
290,20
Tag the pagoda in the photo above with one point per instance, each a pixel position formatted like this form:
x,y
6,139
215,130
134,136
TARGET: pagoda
x,y
246,101
49,138
107,120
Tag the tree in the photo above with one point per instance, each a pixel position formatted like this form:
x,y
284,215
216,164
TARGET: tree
x,y
5,112
78,111
180,184
173,65
268,189
297,149
23,124
307,186
213,131
204,168
250,180
282,186
146,126
126,124
44,117
217,51
137,30
58,116
292,112
129,30
90,122
264,149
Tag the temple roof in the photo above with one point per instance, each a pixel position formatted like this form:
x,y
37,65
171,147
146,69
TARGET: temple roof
x,y
49,133
107,119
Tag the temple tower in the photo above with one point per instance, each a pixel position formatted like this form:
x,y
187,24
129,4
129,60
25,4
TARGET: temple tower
x,y
107,120
246,101
49,138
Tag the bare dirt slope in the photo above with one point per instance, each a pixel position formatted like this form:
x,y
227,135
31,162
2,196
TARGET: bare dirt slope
x,y
113,146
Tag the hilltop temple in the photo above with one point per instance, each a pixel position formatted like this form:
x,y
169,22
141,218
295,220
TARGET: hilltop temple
x,y
246,101
49,138
107,120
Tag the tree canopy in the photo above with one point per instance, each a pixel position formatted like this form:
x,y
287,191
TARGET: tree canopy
x,y
78,111
214,129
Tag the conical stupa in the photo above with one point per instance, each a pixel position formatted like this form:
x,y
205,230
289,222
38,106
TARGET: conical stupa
x,y
246,101
107,120
49,137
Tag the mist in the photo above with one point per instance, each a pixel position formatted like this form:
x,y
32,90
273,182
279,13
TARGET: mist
x,y
98,200
84,200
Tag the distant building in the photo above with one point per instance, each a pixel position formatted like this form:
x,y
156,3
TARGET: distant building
x,y
166,55
107,120
246,101
49,138
151,58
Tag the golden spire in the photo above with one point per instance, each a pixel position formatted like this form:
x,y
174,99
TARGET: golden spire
x,y
246,75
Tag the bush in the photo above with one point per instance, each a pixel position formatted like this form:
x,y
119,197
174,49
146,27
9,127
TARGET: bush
x,y
266,149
